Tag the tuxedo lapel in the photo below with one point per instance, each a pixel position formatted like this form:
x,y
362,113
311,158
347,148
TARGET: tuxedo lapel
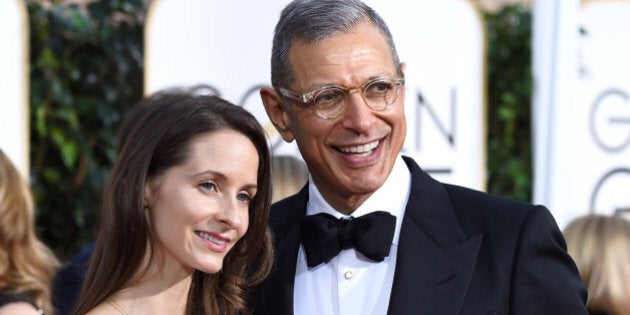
x,y
435,259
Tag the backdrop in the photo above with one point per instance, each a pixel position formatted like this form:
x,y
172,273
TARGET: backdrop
x,y
14,60
582,106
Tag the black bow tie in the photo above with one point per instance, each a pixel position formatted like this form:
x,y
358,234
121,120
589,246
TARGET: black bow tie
x,y
324,236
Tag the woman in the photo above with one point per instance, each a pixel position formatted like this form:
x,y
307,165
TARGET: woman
x,y
184,213
600,246
26,264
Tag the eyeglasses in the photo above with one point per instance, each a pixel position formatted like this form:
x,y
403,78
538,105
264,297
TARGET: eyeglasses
x,y
331,101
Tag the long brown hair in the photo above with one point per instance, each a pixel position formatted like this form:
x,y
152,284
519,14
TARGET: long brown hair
x,y
155,137
26,264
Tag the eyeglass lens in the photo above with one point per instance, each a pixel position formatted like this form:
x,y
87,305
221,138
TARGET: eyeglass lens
x,y
378,95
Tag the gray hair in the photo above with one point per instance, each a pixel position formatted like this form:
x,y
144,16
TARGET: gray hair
x,y
316,20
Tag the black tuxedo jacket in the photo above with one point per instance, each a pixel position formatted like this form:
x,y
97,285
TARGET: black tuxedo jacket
x,y
460,252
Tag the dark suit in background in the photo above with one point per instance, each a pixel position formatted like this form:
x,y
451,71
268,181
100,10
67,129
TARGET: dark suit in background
x,y
69,279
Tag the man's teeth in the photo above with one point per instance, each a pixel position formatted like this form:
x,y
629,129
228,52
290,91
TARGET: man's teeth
x,y
209,237
360,149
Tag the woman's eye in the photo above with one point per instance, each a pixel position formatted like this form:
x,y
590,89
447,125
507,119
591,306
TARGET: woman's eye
x,y
244,198
208,186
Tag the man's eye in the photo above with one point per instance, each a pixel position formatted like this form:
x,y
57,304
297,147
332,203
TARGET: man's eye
x,y
328,97
380,87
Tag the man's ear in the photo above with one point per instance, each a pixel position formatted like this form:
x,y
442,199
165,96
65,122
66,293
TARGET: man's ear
x,y
276,112
403,68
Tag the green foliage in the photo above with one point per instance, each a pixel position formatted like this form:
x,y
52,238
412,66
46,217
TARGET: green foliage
x,y
509,102
86,71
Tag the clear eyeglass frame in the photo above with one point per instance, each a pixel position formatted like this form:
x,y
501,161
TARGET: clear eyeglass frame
x,y
338,107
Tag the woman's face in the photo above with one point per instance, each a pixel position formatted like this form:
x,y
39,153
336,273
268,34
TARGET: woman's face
x,y
198,210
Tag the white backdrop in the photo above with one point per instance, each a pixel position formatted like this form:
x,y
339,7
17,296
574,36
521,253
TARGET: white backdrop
x,y
14,130
227,45
582,106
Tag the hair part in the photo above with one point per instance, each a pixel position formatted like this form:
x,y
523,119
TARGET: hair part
x,y
312,21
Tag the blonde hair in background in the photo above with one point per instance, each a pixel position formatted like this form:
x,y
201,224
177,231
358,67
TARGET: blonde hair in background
x,y
600,246
26,264
288,175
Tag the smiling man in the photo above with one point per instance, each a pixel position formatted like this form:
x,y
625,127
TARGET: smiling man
x,y
371,233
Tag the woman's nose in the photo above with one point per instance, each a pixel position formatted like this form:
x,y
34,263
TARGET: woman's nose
x,y
231,213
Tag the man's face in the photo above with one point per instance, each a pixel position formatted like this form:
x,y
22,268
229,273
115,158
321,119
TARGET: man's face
x,y
350,156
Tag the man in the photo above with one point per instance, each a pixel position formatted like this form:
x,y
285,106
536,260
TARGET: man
x,y
338,91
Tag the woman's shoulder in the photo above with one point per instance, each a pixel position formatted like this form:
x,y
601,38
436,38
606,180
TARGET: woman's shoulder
x,y
19,308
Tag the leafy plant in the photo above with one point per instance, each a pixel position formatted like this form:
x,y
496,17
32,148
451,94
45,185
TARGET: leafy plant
x,y
509,102
86,71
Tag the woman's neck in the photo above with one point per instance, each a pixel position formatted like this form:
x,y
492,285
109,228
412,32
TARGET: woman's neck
x,y
155,296
162,289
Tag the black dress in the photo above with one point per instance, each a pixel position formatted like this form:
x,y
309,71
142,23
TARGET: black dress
x,y
7,298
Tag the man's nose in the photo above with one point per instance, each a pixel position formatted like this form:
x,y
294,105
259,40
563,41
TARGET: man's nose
x,y
358,116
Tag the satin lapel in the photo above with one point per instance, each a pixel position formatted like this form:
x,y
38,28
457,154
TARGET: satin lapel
x,y
284,221
435,259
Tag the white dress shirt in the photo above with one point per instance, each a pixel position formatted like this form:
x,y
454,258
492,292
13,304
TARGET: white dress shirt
x,y
350,283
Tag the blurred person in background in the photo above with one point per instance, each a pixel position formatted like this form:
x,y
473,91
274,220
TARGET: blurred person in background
x,y
600,246
27,265
288,175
